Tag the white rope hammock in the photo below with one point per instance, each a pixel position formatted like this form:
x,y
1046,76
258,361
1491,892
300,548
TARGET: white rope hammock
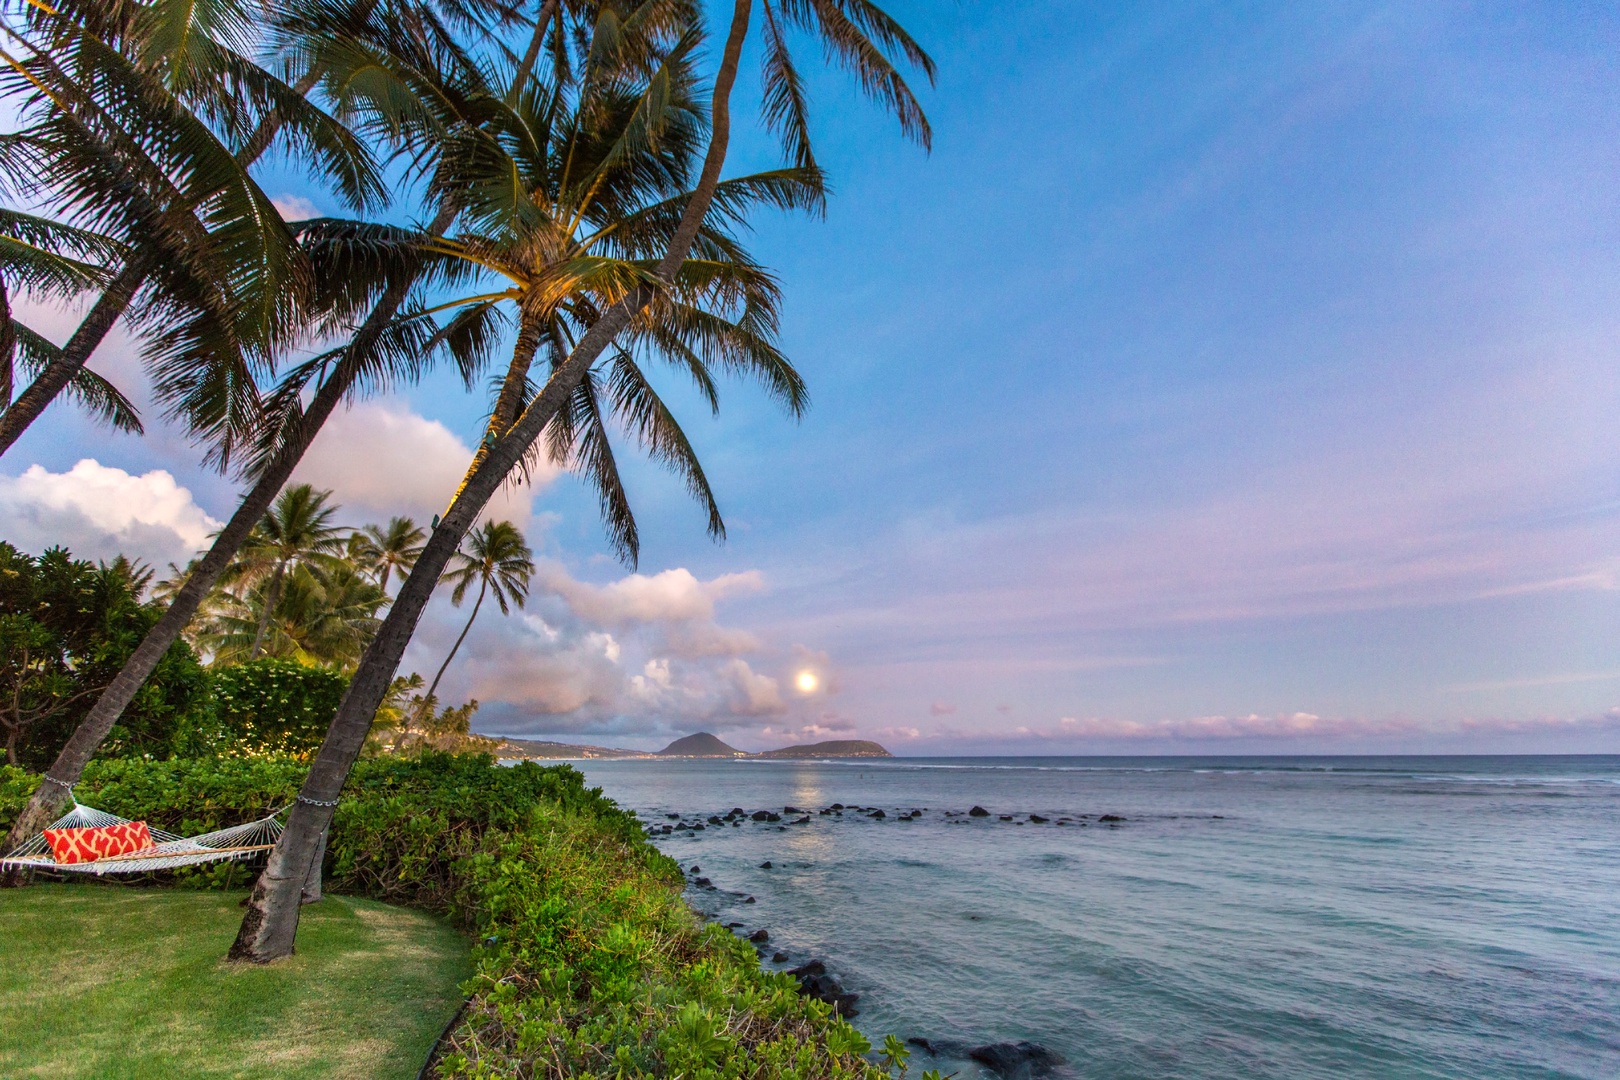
x,y
168,850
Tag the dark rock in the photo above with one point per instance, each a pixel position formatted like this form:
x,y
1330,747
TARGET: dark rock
x,y
672,817
714,819
771,817
1038,820
791,810
760,936
801,821
750,900
761,815
1111,818
766,865
978,811
779,958
826,812
733,925
696,869
924,1043
1015,1061
1217,817
814,967
876,815
820,987
844,1005
737,811
703,883
699,827
837,806
1006,817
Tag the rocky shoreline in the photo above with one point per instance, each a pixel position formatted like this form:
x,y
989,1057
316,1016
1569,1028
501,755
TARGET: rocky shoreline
x,y
1022,1060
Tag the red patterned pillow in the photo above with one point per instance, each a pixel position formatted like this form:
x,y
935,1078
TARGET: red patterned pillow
x,y
70,846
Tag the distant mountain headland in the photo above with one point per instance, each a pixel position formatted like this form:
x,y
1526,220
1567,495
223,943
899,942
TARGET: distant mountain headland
x,y
700,745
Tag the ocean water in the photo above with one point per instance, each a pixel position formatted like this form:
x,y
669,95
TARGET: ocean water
x,y
1250,917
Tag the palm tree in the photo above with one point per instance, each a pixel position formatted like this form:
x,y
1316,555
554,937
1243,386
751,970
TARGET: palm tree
x,y
322,613
140,122
357,291
385,549
51,260
297,533
497,557
848,29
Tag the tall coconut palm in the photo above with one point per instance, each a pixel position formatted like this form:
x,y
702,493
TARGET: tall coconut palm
x,y
383,550
298,532
848,28
496,556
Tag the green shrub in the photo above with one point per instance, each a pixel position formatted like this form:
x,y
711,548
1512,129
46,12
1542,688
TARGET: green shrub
x,y
66,628
591,962
273,706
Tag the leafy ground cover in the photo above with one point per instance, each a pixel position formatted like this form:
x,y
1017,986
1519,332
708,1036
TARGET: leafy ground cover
x,y
99,980
589,961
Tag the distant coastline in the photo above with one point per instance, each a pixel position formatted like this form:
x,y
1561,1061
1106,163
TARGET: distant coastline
x,y
703,744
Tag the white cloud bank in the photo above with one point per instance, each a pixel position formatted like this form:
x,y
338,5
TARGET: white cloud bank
x,y
1295,727
642,656
98,511
381,459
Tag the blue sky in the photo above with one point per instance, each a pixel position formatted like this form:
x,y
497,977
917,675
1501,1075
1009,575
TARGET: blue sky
x,y
1232,378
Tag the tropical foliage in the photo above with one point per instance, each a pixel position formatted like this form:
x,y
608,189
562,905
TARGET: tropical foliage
x,y
569,157
590,963
66,626
272,706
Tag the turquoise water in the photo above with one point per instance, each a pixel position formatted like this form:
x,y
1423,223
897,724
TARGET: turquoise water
x,y
1256,918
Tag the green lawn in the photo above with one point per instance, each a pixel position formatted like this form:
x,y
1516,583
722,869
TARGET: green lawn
x,y
109,982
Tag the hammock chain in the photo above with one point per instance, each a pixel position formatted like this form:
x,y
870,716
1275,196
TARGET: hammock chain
x,y
316,802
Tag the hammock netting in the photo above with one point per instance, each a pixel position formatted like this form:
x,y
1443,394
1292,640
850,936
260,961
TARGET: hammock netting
x,y
167,851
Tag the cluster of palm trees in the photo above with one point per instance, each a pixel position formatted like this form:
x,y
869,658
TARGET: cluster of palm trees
x,y
535,198
305,588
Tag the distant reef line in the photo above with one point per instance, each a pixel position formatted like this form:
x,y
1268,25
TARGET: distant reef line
x,y
701,745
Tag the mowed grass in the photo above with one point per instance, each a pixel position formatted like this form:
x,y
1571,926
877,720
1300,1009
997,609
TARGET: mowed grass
x,y
105,981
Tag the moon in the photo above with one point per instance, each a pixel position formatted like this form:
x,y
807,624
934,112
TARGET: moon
x,y
807,682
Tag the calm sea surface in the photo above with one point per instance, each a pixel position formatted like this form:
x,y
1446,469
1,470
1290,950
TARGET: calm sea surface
x,y
1251,917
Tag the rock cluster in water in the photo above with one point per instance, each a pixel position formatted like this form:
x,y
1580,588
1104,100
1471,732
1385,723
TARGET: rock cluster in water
x,y
691,825
1010,1060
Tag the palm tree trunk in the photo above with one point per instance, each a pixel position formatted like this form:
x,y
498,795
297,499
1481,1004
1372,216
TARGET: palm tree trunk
x,y
271,922
542,19
51,797
113,302
442,667
59,372
509,403
267,609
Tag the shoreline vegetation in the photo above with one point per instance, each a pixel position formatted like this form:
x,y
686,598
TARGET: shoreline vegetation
x,y
587,958
701,745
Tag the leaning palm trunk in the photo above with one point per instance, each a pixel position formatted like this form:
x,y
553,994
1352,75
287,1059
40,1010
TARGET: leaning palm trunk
x,y
52,796
271,923
61,369
457,646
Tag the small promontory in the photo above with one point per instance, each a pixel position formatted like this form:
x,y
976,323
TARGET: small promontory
x,y
840,748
